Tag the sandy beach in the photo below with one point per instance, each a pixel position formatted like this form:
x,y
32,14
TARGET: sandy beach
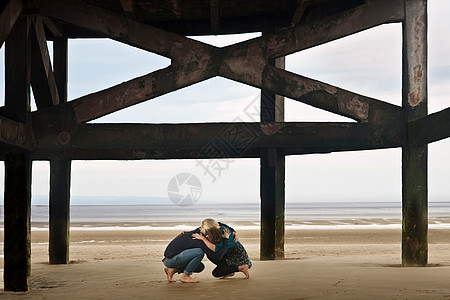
x,y
319,264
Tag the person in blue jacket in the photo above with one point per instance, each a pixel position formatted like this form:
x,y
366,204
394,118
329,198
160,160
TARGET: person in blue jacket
x,y
185,253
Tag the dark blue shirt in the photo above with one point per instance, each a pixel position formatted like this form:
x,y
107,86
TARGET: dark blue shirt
x,y
185,241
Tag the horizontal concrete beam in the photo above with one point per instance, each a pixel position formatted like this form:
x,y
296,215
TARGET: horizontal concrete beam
x,y
430,129
209,140
16,134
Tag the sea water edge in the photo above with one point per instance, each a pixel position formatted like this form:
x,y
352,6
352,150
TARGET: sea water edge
x,y
242,216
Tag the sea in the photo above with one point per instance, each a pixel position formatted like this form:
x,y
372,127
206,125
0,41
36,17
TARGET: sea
x,y
242,216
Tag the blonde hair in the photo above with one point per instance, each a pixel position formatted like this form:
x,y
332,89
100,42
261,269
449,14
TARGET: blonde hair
x,y
208,224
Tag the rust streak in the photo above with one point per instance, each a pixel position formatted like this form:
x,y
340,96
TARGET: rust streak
x,y
355,106
416,97
271,128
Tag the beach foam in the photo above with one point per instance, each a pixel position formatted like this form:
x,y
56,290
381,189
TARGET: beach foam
x,y
331,226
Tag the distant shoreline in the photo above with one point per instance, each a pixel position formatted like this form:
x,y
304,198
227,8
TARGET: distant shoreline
x,y
349,224
242,216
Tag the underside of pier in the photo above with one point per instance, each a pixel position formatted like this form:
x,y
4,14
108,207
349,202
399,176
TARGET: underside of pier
x,y
59,132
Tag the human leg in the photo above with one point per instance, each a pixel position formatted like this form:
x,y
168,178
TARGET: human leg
x,y
199,268
244,269
189,260
169,273
223,270
237,257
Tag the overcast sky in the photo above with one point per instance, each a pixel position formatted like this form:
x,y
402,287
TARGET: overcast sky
x,y
368,63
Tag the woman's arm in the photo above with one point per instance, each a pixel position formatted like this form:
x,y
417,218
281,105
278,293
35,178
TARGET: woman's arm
x,y
231,228
210,245
233,232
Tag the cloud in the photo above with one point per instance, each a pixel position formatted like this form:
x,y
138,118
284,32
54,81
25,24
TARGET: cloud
x,y
96,64
368,63
213,100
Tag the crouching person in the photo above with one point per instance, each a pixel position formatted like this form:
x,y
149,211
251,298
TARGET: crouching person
x,y
184,254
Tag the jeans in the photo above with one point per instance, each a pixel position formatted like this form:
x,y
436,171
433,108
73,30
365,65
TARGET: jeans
x,y
190,260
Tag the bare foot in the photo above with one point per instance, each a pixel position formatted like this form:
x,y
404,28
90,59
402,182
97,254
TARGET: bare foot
x,y
244,269
226,276
185,278
170,272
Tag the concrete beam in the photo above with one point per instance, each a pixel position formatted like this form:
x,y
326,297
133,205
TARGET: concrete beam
x,y
180,49
429,129
17,134
135,91
8,18
42,77
214,15
249,67
139,141
60,69
303,36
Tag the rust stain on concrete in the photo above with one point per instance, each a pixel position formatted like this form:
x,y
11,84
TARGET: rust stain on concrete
x,y
355,107
64,137
271,129
416,94
246,62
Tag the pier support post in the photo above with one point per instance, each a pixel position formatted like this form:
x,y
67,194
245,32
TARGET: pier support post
x,y
272,180
414,158
60,169
17,211
17,194
59,211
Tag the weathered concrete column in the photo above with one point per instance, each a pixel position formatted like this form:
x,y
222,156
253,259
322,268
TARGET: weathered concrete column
x,y
272,181
414,158
17,199
18,72
17,211
60,170
59,211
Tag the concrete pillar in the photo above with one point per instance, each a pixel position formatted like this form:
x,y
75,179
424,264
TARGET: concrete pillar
x,y
17,198
60,170
272,180
59,211
414,158
17,211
